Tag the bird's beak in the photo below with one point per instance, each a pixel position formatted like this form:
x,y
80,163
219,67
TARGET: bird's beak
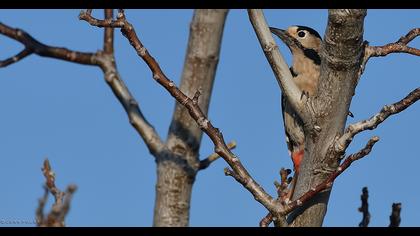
x,y
284,36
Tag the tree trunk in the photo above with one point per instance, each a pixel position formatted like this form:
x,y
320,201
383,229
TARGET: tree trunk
x,y
341,56
178,165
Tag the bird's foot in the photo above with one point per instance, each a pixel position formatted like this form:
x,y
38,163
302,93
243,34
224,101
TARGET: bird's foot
x,y
304,94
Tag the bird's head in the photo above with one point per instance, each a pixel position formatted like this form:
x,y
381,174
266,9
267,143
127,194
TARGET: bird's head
x,y
301,39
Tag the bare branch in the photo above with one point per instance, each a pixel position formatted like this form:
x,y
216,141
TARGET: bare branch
x,y
112,77
109,33
381,51
103,59
61,204
210,159
277,62
364,208
412,34
50,181
282,197
32,46
108,22
239,171
22,54
229,172
136,118
265,222
329,181
395,218
65,207
399,46
39,214
285,180
353,129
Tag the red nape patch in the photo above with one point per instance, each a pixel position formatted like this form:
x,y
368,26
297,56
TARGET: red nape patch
x,y
297,159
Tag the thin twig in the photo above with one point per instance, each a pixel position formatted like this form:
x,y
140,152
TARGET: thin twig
x,y
39,214
364,208
229,172
22,54
395,218
61,204
50,181
213,157
281,193
68,195
343,142
33,46
87,16
109,33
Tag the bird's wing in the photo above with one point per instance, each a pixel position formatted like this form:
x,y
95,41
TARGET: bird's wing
x,y
293,126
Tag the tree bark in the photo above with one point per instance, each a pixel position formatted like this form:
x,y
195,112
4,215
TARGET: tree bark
x,y
178,165
341,56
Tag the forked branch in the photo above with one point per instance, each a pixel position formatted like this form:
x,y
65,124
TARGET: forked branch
x,y
371,123
61,204
103,59
399,46
213,157
33,46
281,193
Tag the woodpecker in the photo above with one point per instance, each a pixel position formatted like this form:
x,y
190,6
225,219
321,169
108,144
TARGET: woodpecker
x,y
304,44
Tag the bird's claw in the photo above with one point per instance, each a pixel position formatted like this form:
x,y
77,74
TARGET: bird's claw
x,y
304,94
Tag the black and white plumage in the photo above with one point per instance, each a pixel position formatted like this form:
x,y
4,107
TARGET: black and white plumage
x,y
304,44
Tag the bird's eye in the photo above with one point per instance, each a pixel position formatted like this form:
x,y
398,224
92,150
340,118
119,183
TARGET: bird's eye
x,y
301,34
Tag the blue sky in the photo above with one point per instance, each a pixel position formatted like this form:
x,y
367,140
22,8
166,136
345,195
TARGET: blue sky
x,y
66,112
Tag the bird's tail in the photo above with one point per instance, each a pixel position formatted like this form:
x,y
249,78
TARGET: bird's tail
x,y
297,159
